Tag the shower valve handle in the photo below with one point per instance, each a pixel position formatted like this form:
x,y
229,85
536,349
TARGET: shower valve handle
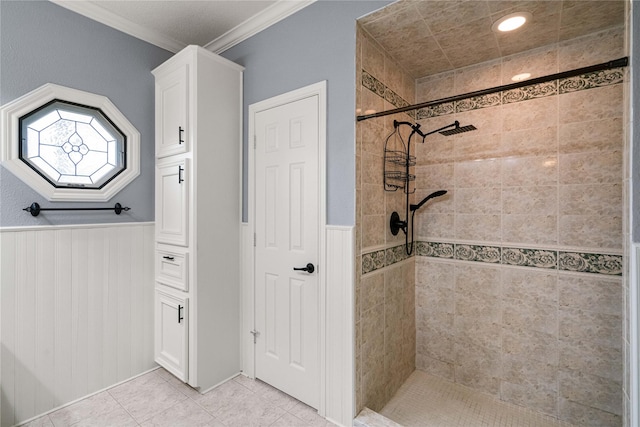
x,y
309,268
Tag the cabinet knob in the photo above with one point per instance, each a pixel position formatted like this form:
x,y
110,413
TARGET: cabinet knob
x,y
180,318
180,170
170,258
180,131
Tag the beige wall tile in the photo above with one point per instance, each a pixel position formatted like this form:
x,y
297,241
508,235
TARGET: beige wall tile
x,y
434,226
532,200
486,200
539,62
373,58
374,203
540,140
483,228
436,367
585,356
372,290
430,89
595,135
519,315
529,171
436,175
538,398
591,390
590,293
593,104
471,279
524,230
530,286
585,415
476,147
484,173
599,199
435,344
591,50
531,344
590,231
536,113
435,274
373,230
478,367
597,328
591,168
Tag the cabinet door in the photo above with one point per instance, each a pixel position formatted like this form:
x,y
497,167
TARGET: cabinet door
x,y
172,201
172,112
171,332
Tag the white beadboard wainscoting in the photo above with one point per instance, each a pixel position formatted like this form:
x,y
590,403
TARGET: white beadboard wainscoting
x,y
76,313
339,325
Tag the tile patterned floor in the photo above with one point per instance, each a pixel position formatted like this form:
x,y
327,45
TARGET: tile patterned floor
x,y
428,401
158,399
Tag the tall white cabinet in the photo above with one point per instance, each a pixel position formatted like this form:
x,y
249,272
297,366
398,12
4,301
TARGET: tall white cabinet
x,y
198,174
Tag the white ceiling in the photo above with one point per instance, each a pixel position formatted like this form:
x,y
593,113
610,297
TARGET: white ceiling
x,y
174,24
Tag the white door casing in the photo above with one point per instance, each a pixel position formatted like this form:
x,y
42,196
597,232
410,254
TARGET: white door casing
x,y
287,217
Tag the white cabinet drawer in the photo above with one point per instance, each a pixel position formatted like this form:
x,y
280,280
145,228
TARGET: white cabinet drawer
x,y
172,268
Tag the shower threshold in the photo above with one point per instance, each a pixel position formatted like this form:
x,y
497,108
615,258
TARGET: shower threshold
x,y
425,400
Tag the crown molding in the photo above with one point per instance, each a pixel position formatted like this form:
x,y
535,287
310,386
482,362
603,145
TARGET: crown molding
x,y
271,15
92,11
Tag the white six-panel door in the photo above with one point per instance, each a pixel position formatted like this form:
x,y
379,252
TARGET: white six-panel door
x,y
286,203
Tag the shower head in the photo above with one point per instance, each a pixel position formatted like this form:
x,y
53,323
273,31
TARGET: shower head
x,y
430,196
457,129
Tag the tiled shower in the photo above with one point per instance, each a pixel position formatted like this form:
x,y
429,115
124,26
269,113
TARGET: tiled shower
x,y
515,287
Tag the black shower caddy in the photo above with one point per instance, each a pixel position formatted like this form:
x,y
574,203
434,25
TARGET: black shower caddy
x,y
398,160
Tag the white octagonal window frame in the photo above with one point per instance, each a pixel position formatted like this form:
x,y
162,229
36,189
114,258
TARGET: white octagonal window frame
x,y
10,154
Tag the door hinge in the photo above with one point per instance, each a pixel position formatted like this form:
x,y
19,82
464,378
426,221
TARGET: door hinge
x,y
254,240
255,335
255,143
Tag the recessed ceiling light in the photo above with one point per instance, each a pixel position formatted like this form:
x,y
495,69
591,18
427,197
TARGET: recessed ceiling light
x,y
520,77
511,22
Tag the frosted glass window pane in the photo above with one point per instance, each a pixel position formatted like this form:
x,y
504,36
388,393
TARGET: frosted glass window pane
x,y
92,138
42,122
75,117
32,147
57,133
90,163
101,173
46,168
102,131
72,144
57,159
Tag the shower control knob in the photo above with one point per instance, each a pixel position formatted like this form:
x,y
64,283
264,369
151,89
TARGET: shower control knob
x,y
309,268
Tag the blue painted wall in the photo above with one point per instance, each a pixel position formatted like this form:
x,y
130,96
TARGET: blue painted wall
x,y
317,43
40,43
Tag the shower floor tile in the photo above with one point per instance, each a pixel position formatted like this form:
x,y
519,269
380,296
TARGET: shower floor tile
x,y
425,400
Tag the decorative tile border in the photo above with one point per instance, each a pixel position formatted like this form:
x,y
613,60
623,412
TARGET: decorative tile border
x,y
582,262
380,89
376,260
540,90
590,263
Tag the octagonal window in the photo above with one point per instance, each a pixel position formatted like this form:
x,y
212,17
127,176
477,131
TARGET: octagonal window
x,y
72,145
68,144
